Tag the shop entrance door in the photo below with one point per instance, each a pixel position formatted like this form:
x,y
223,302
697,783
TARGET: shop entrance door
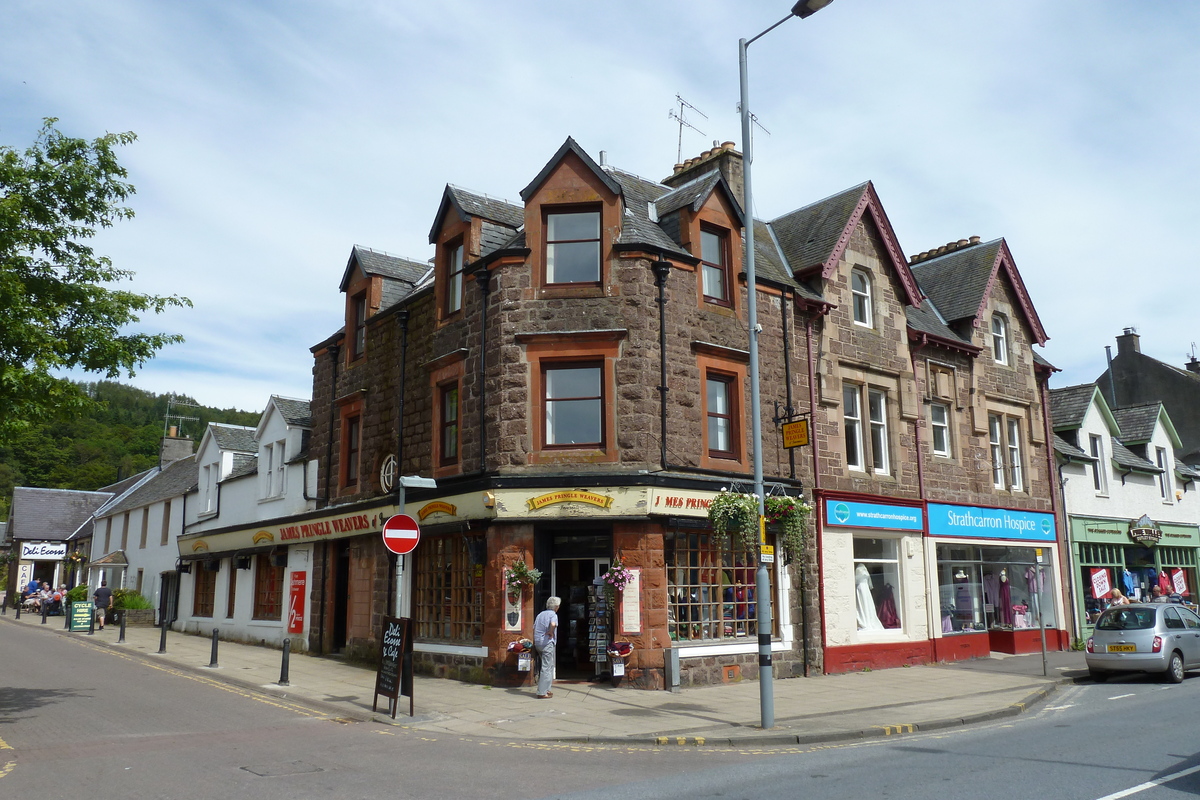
x,y
570,579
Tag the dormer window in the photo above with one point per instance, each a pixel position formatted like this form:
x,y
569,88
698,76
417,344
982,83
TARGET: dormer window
x,y
999,339
454,278
714,253
860,291
358,307
573,247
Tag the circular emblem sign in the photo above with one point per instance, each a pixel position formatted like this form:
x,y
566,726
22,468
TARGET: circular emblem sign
x,y
841,512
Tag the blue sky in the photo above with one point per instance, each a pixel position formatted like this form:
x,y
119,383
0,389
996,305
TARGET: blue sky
x,y
274,136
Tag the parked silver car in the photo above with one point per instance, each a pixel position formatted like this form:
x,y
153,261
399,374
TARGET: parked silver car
x,y
1145,637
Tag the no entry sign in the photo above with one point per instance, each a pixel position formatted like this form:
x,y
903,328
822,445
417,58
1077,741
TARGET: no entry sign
x,y
401,534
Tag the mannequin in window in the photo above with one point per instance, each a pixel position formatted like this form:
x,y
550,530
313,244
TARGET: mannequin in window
x,y
1004,609
868,619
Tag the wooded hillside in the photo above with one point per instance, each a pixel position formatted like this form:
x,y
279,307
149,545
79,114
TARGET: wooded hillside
x,y
122,438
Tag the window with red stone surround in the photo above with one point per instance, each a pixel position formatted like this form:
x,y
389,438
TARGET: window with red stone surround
x,y
445,383
722,370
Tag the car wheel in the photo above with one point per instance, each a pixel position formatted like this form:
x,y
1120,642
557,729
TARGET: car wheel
x,y
1175,668
1097,676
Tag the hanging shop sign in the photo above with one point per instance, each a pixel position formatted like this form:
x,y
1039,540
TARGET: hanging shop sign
x,y
43,551
795,434
990,523
1144,531
872,515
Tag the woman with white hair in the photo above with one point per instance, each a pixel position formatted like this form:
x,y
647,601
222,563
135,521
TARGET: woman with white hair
x,y
545,634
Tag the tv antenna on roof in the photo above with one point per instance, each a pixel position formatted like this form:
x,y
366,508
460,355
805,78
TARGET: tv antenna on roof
x,y
171,404
680,117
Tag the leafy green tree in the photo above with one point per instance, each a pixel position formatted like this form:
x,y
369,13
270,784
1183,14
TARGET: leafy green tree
x,y
58,305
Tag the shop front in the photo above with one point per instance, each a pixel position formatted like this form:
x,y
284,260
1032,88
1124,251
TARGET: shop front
x,y
42,562
873,574
1134,557
994,571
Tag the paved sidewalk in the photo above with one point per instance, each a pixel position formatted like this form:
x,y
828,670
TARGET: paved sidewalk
x,y
807,710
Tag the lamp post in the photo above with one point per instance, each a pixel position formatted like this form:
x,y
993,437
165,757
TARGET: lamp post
x,y
762,582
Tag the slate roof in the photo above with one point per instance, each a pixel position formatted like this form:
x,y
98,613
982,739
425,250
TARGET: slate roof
x,y
1040,360
1069,405
1123,456
401,269
956,281
1137,422
1063,447
691,194
926,319
51,514
243,465
809,234
636,227
484,207
176,480
294,412
1186,472
116,558
237,438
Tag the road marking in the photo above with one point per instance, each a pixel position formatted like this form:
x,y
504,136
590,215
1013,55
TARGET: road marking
x,y
1123,696
1060,708
1150,784
7,768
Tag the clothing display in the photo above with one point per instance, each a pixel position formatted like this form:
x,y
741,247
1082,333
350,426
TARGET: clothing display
x,y
868,618
888,616
1004,613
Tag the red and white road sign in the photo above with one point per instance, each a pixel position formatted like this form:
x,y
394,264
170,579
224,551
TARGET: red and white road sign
x,y
401,534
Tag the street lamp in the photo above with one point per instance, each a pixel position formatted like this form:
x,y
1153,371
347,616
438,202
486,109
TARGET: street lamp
x,y
762,583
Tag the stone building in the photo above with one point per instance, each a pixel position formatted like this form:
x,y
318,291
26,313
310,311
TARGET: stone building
x,y
572,371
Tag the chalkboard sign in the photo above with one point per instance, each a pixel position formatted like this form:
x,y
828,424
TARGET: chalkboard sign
x,y
395,676
81,615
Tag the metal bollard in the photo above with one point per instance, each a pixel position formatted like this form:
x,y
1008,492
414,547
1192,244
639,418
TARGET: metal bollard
x,y
92,625
18,607
162,639
44,610
121,638
283,671
66,617
213,663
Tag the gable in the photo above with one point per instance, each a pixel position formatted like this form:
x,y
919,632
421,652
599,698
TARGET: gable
x,y
570,149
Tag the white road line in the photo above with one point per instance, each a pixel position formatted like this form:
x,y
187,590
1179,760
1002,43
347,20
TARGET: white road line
x,y
1150,784
1122,696
1060,708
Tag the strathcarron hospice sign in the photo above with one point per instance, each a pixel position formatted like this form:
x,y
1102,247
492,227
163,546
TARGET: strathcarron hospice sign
x,y
990,523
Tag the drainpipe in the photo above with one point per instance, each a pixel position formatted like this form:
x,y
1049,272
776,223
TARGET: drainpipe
x,y
932,613
1070,560
333,358
661,270
787,374
402,317
816,490
483,278
1059,510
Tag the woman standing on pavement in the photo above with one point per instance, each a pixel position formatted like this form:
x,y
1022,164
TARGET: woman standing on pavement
x,y
545,635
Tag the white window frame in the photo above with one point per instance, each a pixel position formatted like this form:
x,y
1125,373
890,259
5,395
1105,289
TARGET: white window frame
x,y
210,488
996,449
941,427
1016,472
1160,456
999,339
1099,473
852,420
862,309
278,485
877,411
454,279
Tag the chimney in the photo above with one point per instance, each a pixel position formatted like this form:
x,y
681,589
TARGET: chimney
x,y
173,448
721,157
1193,365
1128,342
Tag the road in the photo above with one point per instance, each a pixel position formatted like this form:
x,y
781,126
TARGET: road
x,y
81,721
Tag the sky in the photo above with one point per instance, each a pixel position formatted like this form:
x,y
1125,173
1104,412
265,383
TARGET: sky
x,y
275,136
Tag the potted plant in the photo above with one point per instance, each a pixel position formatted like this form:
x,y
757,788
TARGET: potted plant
x,y
736,512
791,513
616,579
518,576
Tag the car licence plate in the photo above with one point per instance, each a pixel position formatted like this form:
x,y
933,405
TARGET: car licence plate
x,y
1122,648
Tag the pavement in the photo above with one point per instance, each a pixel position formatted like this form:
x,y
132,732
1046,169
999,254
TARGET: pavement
x,y
823,708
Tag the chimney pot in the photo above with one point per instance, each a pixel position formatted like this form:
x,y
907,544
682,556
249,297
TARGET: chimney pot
x,y
974,240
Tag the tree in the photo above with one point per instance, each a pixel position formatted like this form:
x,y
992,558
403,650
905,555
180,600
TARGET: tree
x,y
58,305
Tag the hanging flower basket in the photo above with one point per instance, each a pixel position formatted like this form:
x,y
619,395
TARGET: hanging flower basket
x,y
737,513
519,575
8,557
616,578
75,559
791,513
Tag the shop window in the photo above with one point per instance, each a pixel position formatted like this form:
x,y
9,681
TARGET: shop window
x,y
939,423
983,588
1099,467
573,247
205,589
268,588
573,405
448,424
860,291
877,597
710,588
448,605
999,339
358,310
231,594
453,272
1164,478
714,257
720,399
